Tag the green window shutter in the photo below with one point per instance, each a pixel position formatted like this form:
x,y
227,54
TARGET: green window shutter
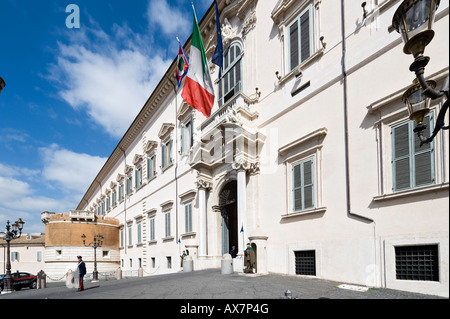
x,y
401,157
297,189
303,185
294,45
413,166
423,157
305,35
163,155
308,184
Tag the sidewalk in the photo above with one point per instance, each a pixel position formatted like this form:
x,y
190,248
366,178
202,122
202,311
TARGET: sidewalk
x,y
211,284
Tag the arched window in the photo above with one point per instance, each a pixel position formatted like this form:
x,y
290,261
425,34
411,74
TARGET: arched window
x,y
231,81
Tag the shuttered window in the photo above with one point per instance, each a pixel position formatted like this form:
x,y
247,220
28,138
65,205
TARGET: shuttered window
x,y
303,186
300,38
167,218
412,165
188,218
152,229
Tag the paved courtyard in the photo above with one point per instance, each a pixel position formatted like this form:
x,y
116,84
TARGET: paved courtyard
x,y
211,284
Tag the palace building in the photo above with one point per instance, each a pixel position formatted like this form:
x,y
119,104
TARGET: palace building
x,y
309,153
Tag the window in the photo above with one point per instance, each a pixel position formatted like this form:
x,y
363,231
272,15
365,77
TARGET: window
x,y
121,238
151,167
412,165
417,263
152,229
305,262
130,234
114,198
188,218
301,37
187,136
139,233
129,182
138,177
303,186
166,154
14,256
167,218
231,82
121,192
39,256
108,203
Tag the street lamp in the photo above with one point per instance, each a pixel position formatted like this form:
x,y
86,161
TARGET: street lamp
x,y
414,21
98,242
2,84
10,234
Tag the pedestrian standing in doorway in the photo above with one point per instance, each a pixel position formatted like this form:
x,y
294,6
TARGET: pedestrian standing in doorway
x,y
233,252
81,272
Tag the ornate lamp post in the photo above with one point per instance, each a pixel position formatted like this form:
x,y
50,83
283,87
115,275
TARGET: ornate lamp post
x,y
2,84
98,242
15,233
414,21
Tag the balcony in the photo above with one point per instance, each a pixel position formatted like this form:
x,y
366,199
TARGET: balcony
x,y
81,215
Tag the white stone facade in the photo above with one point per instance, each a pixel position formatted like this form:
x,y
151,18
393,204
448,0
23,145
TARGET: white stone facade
x,y
298,158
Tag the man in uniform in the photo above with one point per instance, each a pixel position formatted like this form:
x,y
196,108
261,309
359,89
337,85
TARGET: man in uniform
x,y
81,272
250,259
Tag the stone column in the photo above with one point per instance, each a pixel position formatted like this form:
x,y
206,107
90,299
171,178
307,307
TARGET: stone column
x,y
241,166
202,186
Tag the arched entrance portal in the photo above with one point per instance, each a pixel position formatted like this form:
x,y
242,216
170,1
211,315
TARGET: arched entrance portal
x,y
228,209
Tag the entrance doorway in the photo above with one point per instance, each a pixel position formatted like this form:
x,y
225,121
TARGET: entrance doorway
x,y
228,208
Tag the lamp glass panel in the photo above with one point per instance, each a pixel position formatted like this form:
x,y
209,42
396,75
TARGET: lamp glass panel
x,y
417,101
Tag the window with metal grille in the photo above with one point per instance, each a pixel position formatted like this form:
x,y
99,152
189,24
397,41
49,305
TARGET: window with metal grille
x,y
417,263
305,262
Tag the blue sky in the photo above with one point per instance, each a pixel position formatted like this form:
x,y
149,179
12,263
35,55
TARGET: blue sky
x,y
71,94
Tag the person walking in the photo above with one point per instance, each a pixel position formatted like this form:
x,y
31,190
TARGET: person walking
x,y
81,272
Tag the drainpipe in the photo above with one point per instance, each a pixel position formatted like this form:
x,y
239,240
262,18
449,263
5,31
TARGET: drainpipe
x,y
176,163
352,215
124,207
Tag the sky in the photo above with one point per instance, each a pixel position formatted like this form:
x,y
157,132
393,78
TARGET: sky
x,y
72,92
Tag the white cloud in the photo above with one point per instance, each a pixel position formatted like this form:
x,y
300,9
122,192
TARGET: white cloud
x,y
23,191
72,172
109,77
169,19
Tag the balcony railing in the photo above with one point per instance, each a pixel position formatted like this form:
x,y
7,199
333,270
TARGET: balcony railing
x,y
81,215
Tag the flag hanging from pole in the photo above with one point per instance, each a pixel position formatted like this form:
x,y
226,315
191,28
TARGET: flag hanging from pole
x,y
218,54
198,89
182,64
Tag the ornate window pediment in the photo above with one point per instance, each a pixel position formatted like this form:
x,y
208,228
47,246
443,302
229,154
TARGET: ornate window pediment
x,y
165,131
137,159
120,177
150,147
184,113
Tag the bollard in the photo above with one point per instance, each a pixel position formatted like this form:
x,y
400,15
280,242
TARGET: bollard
x,y
188,264
227,264
119,274
70,280
140,272
41,280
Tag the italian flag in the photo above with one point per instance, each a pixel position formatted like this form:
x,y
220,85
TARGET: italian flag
x,y
198,89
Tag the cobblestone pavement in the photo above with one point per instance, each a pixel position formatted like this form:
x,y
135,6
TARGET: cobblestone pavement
x,y
211,284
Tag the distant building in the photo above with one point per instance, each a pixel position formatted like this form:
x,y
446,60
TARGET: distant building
x,y
64,242
27,253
